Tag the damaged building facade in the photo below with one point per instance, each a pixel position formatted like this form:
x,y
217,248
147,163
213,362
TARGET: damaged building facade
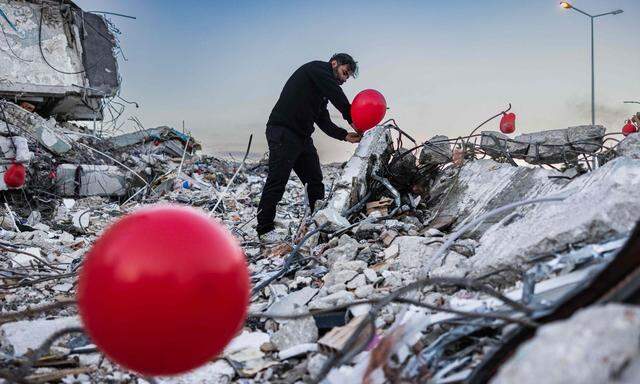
x,y
57,58
60,70
485,258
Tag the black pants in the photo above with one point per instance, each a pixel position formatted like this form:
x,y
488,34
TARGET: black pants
x,y
288,151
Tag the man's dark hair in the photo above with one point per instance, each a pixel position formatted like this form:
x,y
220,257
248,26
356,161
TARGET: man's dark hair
x,y
343,58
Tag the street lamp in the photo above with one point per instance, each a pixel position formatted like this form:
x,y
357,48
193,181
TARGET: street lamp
x,y
567,5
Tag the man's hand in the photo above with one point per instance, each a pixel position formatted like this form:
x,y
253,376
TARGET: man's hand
x,y
353,137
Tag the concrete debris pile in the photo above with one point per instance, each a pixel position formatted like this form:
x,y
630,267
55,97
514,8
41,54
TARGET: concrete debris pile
x,y
72,161
416,267
433,262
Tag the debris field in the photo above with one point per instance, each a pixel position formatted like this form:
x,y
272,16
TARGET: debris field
x,y
483,258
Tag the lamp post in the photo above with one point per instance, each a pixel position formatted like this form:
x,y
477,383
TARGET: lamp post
x,y
566,5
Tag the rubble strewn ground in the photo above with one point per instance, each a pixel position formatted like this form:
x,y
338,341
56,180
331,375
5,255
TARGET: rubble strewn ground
x,y
531,254
421,261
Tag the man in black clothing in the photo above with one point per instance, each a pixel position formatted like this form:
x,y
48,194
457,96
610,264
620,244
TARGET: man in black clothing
x,y
303,102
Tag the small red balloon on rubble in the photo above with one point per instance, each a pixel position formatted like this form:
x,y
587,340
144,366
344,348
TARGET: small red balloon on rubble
x,y
508,123
163,290
15,175
368,109
629,128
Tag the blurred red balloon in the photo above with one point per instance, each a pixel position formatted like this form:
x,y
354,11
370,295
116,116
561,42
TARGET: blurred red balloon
x,y
368,109
15,175
163,290
629,128
508,123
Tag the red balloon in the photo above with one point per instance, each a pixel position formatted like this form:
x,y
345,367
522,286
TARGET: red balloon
x,y
629,128
163,290
15,175
508,123
368,109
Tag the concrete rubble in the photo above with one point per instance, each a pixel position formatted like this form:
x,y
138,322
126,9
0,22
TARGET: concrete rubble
x,y
90,180
436,152
556,245
352,184
599,344
395,218
552,146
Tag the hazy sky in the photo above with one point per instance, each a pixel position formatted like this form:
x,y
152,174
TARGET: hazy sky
x,y
443,66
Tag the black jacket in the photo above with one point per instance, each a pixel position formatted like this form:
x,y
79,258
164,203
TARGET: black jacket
x,y
303,101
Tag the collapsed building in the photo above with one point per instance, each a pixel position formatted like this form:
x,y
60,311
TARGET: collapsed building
x,y
478,269
58,59
484,258
61,69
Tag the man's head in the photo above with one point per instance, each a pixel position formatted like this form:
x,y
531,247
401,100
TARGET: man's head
x,y
343,67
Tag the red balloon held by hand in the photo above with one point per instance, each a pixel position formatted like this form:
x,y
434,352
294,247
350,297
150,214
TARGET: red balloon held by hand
x,y
15,175
508,123
629,128
163,290
368,109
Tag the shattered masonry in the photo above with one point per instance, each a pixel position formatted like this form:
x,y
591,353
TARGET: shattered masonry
x,y
545,291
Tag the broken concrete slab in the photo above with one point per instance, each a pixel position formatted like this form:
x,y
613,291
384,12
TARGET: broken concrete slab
x,y
594,346
559,145
600,205
290,302
586,138
374,148
47,132
483,185
339,276
346,250
391,251
315,364
364,291
371,275
49,136
15,148
436,151
337,298
24,256
353,265
357,282
630,146
172,138
498,144
545,147
367,230
455,265
414,255
294,333
332,219
90,180
246,346
21,336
